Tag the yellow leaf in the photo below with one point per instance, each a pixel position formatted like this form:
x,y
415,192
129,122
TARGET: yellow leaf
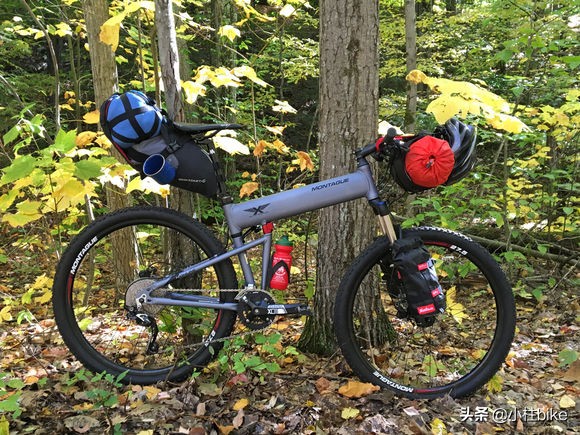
x,y
248,72
277,130
287,10
225,430
305,161
84,138
283,107
5,315
355,389
151,391
248,188
456,309
416,77
494,385
445,107
230,145
280,146
508,123
260,148
192,91
438,427
229,32
85,406
44,298
348,413
92,117
223,77
567,402
459,97
241,404
110,31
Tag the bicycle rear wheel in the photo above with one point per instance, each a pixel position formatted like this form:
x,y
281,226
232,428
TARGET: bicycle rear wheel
x,y
104,268
459,352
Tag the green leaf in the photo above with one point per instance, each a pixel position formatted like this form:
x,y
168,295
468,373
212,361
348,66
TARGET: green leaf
x,y
65,141
12,135
88,169
568,210
567,357
495,384
20,168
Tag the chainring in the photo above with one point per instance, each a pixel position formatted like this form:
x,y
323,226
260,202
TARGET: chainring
x,y
256,321
136,287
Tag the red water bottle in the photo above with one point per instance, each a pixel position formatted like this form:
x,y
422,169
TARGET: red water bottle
x,y
281,264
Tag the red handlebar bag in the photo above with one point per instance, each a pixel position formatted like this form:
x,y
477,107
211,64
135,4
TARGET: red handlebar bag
x,y
429,161
422,162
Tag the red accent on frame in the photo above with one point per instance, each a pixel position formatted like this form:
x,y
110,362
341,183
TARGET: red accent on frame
x,y
268,227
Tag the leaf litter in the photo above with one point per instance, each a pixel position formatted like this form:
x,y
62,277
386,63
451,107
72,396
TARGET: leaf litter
x,y
309,395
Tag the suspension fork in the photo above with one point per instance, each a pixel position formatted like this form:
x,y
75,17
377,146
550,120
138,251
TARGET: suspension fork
x,y
383,212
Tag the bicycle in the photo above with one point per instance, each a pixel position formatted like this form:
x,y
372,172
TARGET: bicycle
x,y
153,293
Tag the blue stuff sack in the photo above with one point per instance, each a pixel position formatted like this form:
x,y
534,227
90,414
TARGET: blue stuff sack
x,y
130,118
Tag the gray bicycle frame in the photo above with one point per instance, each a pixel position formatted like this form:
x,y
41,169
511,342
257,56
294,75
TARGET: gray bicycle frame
x,y
262,211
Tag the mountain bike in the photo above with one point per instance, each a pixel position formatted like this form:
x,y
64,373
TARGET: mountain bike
x,y
153,294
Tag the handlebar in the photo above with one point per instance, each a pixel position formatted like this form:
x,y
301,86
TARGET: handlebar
x,y
381,147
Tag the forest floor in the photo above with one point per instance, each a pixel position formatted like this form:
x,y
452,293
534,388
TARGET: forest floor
x,y
46,391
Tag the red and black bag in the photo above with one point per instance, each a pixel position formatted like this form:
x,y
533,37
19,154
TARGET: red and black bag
x,y
416,274
422,162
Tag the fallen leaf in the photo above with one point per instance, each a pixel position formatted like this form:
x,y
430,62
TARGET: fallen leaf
x,y
322,385
81,423
241,404
567,402
438,427
348,413
354,389
209,389
573,373
238,420
225,430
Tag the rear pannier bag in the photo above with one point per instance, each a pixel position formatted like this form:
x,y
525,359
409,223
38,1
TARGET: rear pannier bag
x,y
422,162
416,273
139,130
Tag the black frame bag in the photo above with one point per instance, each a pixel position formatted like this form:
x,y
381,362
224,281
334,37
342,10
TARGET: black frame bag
x,y
415,272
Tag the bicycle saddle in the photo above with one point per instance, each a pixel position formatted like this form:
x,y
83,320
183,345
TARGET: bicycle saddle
x,y
203,128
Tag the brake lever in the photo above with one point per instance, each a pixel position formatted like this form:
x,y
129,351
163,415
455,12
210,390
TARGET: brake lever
x,y
384,145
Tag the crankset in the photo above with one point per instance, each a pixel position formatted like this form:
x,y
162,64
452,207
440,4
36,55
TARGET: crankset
x,y
257,309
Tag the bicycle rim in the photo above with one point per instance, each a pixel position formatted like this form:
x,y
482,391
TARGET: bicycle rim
x,y
116,258
463,347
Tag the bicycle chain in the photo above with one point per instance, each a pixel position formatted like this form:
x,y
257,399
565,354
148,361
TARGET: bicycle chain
x,y
229,337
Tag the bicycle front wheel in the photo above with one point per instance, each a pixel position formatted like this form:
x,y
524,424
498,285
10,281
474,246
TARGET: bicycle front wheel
x,y
456,354
106,266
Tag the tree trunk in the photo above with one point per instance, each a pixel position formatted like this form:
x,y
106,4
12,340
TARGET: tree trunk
x,y
411,46
104,71
170,75
348,120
